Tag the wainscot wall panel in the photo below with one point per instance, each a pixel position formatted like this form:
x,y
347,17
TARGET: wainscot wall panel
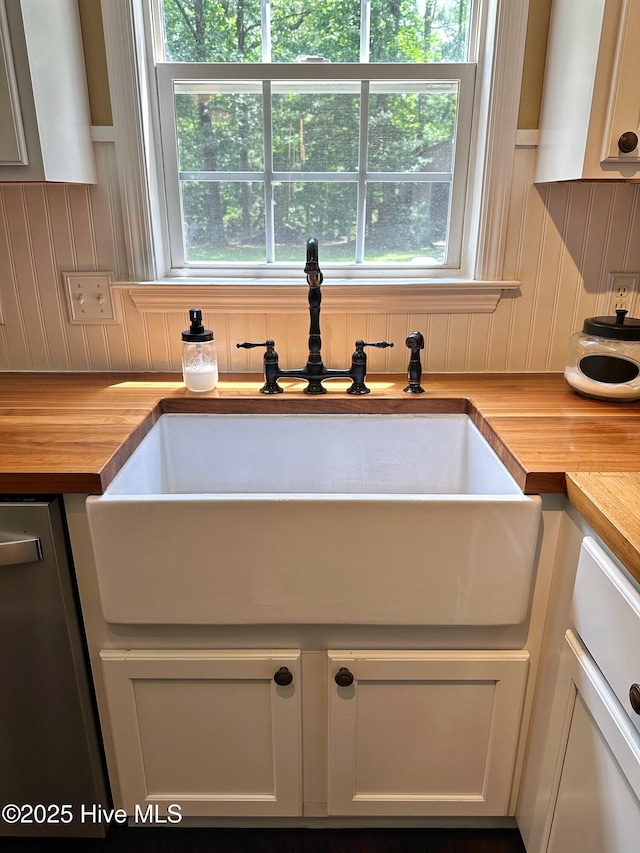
x,y
562,242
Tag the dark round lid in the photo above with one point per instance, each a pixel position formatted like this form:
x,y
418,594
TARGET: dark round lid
x,y
198,337
196,333
620,327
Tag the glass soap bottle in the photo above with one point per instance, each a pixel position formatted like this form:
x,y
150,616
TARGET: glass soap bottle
x,y
199,355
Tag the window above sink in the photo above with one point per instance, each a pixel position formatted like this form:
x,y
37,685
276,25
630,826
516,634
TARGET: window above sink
x,y
164,187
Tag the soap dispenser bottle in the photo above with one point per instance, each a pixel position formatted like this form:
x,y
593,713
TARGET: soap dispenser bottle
x,y
199,355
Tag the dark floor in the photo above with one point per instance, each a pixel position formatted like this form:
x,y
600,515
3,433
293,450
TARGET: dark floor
x,y
144,840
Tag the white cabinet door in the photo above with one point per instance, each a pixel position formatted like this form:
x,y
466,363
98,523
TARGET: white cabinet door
x,y
623,115
13,150
591,99
423,733
596,809
45,121
210,731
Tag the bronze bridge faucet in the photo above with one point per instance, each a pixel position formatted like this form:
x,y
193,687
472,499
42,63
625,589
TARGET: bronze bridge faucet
x,y
314,372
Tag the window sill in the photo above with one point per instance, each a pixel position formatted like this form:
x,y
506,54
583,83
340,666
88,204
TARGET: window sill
x,y
443,297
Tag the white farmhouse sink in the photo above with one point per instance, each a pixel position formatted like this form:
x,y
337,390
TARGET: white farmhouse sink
x,y
356,519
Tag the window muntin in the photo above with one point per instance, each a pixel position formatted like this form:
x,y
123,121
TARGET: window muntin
x,y
371,157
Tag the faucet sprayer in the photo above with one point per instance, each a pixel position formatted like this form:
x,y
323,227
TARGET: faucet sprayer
x,y
415,342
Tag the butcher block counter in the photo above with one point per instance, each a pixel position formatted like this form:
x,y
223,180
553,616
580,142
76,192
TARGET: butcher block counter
x,y
70,433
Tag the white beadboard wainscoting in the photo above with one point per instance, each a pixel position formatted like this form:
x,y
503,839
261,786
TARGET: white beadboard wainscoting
x,y
562,242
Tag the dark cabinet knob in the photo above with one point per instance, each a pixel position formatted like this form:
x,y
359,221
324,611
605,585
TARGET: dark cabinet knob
x,y
283,677
628,142
344,678
634,697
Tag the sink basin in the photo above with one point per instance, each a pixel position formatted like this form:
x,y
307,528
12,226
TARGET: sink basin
x,y
356,519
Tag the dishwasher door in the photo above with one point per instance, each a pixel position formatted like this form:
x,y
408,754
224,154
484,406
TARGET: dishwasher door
x,y
50,754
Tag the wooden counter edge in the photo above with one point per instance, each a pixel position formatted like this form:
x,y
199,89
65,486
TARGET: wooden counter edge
x,y
613,515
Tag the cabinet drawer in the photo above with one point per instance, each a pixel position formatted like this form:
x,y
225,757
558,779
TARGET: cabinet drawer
x,y
606,614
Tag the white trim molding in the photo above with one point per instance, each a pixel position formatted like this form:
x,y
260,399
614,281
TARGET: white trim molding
x,y
102,133
503,47
526,138
447,298
133,126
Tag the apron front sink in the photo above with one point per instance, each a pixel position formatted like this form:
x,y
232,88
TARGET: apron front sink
x,y
295,519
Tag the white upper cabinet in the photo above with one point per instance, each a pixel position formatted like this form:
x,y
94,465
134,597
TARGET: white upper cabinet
x,y
45,123
589,124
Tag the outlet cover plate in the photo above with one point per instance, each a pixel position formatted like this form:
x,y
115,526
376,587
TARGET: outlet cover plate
x,y
622,287
89,297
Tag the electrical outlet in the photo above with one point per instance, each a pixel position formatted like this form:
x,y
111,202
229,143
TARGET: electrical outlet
x,y
89,297
622,288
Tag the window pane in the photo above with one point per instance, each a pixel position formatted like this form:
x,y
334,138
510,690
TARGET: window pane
x,y
211,30
231,30
323,28
298,136
419,30
219,131
315,209
412,131
223,221
407,222
315,131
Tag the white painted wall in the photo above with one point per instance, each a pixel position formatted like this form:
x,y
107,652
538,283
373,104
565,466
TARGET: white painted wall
x,y
562,241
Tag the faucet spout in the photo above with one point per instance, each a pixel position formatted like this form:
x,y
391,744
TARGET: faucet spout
x,y
312,268
312,250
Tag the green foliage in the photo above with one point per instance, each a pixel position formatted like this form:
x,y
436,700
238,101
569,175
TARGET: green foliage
x,y
230,30
423,31
327,28
316,132
212,30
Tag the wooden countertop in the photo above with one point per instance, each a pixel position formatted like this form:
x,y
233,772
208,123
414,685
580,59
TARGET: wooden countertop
x,y
610,502
71,432
66,433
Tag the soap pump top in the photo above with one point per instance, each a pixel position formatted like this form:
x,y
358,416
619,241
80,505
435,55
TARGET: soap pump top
x,y
196,333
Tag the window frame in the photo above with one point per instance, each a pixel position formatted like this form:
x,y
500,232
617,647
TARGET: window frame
x,y
139,161
461,73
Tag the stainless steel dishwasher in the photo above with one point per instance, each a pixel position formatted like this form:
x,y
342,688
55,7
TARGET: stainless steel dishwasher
x,y
50,755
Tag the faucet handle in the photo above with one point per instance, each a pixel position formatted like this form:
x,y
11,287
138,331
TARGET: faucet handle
x,y
379,344
270,361
358,369
269,344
